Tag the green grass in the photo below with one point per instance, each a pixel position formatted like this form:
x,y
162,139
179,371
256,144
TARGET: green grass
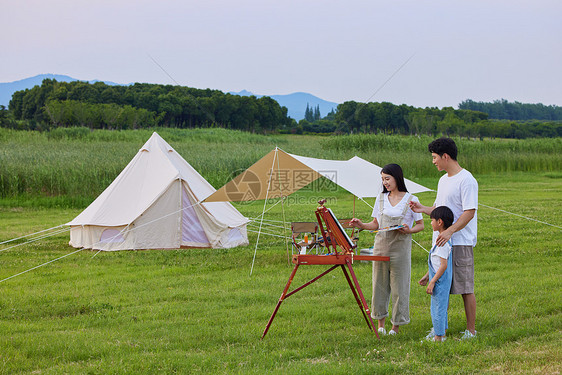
x,y
199,311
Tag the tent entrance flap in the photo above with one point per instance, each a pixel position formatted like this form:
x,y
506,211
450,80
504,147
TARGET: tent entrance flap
x,y
111,235
192,231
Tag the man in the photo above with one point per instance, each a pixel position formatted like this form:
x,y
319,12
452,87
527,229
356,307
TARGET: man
x,y
458,190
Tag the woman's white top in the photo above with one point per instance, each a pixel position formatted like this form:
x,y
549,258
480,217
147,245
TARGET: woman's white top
x,y
397,210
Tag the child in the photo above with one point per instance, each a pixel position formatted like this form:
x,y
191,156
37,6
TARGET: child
x,y
439,274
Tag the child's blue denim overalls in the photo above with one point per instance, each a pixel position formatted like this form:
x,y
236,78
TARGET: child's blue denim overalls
x,y
440,296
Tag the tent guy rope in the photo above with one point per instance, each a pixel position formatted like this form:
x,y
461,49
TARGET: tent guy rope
x,y
60,231
31,234
417,243
270,226
269,234
524,217
41,265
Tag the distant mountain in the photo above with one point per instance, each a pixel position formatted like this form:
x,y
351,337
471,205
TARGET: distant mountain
x,y
296,103
8,88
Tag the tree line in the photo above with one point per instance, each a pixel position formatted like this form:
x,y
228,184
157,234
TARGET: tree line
x,y
505,110
102,106
354,117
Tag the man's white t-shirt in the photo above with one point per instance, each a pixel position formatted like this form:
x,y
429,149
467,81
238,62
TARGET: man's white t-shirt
x,y
459,193
397,210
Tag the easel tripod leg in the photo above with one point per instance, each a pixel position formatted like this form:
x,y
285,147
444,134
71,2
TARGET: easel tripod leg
x,y
363,304
352,287
281,299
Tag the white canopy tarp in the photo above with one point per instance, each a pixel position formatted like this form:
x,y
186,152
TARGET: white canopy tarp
x,y
356,175
279,174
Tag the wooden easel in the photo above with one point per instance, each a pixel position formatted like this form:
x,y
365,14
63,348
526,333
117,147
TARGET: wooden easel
x,y
334,237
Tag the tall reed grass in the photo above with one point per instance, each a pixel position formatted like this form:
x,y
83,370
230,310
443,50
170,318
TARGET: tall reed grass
x,y
479,156
78,164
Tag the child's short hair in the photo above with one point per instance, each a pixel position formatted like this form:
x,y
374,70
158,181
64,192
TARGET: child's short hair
x,y
444,213
442,146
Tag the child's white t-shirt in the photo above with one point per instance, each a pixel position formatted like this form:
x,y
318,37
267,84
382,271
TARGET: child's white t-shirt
x,y
397,210
438,253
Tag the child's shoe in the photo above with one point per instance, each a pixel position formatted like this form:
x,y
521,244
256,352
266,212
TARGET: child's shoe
x,y
392,332
430,334
382,331
468,335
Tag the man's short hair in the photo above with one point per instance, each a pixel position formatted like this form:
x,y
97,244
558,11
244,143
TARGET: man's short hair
x,y
444,213
442,146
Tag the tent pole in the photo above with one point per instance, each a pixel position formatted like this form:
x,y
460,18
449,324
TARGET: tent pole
x,y
353,216
283,210
180,221
263,212
285,230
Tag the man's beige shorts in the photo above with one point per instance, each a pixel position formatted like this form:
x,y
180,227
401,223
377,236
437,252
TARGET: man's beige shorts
x,y
463,270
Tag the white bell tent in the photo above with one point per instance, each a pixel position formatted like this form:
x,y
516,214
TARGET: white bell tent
x,y
154,203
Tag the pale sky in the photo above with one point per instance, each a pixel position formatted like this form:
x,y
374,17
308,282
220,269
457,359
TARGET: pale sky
x,y
336,50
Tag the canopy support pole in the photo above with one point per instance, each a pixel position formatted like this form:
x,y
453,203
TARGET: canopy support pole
x,y
283,210
263,212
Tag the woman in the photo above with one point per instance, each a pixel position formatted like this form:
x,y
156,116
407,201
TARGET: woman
x,y
392,278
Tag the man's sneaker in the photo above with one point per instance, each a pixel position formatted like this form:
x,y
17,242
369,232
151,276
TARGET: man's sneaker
x,y
468,335
430,334
382,331
442,339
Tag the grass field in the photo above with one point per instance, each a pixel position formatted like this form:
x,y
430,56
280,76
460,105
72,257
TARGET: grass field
x,y
199,311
